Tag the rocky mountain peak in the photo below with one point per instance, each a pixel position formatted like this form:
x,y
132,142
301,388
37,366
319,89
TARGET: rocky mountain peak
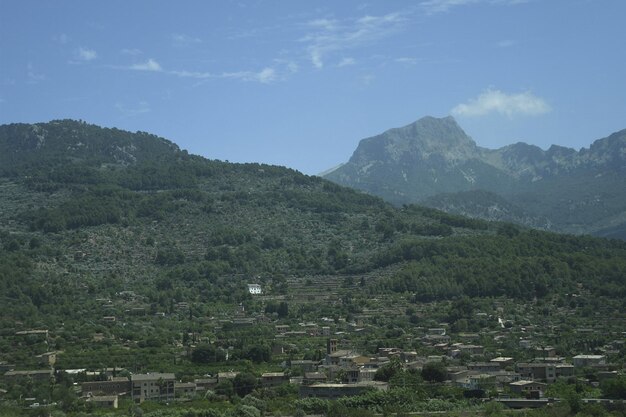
x,y
418,140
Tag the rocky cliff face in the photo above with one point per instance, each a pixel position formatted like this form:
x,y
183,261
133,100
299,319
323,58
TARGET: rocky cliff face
x,y
559,188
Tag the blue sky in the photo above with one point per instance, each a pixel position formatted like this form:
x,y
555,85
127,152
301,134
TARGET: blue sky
x,y
299,83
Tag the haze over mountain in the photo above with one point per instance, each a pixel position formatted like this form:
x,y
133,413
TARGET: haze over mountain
x,y
435,163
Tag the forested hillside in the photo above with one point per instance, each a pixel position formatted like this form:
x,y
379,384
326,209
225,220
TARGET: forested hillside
x,y
88,212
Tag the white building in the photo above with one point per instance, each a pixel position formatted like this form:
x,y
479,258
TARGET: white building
x,y
254,289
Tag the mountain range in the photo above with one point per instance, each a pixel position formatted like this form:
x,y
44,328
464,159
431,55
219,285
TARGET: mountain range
x,y
435,163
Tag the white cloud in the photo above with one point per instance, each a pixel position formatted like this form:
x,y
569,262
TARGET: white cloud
x,y
292,67
406,60
131,51
495,101
442,6
181,39
149,65
332,36
326,24
192,74
346,62
265,76
86,54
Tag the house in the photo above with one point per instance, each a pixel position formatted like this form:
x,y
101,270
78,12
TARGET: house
x,y
305,365
108,401
503,361
254,289
47,359
456,373
114,386
545,352
273,379
366,374
282,328
581,361
222,376
471,349
564,370
37,375
537,371
531,389
314,378
335,358
184,389
353,359
410,356
478,381
203,384
156,386
525,344
483,367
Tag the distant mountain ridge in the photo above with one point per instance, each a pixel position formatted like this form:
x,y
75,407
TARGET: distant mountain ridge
x,y
433,159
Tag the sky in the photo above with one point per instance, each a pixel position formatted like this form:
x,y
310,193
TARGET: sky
x,y
299,83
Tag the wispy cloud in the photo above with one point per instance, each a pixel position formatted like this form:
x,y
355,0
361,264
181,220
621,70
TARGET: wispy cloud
x,y
149,65
32,75
406,60
330,36
134,110
367,79
62,38
86,54
495,101
345,62
131,51
442,6
192,74
181,39
266,75
506,43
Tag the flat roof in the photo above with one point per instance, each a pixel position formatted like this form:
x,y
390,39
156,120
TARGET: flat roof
x,y
151,377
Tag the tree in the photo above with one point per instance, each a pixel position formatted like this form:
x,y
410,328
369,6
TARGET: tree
x,y
615,388
434,372
386,372
207,354
225,388
244,383
258,353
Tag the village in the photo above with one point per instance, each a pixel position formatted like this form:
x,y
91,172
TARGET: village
x,y
329,358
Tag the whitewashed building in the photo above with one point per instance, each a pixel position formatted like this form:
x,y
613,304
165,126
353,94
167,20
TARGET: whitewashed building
x,y
254,288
